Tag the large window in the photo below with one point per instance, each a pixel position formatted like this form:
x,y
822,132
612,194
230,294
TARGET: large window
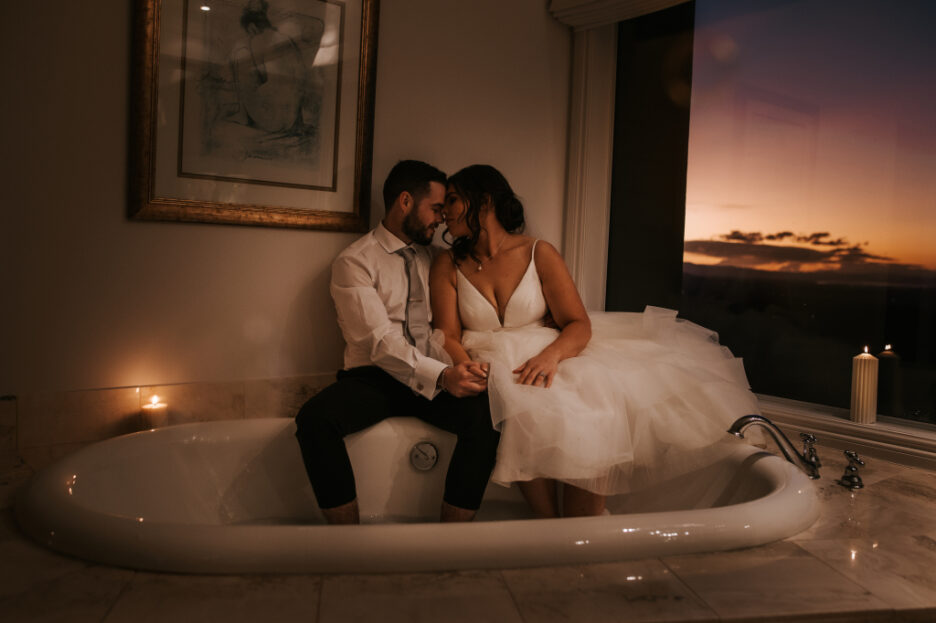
x,y
810,226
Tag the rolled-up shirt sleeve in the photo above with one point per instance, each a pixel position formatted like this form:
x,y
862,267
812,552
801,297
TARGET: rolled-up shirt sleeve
x,y
366,324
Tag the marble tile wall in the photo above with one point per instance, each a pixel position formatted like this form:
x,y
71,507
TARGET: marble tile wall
x,y
39,428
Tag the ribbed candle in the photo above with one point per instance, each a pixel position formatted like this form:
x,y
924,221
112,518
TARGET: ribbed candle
x,y
864,388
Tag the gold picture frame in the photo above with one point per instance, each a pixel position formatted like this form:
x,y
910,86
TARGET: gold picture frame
x,y
253,112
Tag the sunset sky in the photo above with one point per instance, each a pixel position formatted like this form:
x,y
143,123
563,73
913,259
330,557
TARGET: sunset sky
x,y
813,135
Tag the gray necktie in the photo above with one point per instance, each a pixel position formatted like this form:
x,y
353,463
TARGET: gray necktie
x,y
416,326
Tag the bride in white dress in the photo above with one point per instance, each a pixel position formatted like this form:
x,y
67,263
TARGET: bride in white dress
x,y
602,402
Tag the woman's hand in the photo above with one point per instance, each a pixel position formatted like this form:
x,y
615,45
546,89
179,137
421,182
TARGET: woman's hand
x,y
566,313
538,371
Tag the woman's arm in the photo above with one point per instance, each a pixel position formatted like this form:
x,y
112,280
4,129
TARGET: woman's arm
x,y
443,297
466,377
567,311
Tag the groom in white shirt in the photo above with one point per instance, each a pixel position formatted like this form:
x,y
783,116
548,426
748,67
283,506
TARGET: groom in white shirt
x,y
393,365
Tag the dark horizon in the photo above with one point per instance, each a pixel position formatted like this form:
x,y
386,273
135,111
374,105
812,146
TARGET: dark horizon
x,y
881,276
797,336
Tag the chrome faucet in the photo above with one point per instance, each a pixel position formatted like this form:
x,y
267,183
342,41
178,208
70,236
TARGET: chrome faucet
x,y
808,461
850,478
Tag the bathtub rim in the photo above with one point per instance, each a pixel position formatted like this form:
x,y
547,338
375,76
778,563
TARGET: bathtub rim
x,y
233,548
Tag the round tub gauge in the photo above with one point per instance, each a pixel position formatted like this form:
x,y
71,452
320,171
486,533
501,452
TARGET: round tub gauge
x,y
424,455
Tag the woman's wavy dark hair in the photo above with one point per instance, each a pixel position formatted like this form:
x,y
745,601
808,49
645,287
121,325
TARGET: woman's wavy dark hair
x,y
475,184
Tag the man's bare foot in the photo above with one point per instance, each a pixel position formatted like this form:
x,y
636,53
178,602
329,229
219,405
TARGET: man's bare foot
x,y
344,514
454,513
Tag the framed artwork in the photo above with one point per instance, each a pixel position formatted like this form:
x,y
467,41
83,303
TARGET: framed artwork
x,y
253,112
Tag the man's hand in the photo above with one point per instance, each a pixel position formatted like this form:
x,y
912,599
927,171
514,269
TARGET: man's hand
x,y
468,378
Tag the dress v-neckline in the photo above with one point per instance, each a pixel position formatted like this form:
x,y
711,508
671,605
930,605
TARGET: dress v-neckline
x,y
493,304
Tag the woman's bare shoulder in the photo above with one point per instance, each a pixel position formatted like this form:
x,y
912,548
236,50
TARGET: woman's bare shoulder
x,y
548,260
443,264
443,257
544,250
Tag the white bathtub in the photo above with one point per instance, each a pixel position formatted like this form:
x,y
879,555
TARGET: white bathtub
x,y
232,497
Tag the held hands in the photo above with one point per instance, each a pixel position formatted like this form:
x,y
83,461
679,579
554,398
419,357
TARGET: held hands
x,y
468,378
538,371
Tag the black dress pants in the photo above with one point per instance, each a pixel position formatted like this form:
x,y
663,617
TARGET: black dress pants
x,y
367,395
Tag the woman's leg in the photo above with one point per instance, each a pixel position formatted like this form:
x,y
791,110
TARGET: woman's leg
x,y
581,503
540,494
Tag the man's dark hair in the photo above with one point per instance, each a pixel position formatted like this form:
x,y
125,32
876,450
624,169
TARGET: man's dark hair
x,y
411,176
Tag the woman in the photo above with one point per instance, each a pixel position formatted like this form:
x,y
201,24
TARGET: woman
x,y
604,403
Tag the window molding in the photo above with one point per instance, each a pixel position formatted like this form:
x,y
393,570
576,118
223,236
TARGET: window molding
x,y
591,141
891,439
591,133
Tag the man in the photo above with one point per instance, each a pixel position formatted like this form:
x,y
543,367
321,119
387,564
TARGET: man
x,y
391,366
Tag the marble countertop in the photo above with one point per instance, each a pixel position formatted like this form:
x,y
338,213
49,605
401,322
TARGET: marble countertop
x,y
870,557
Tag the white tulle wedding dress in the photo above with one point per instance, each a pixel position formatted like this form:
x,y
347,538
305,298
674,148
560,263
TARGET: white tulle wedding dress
x,y
651,396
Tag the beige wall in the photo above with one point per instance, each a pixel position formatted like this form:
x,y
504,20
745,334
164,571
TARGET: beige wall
x,y
91,300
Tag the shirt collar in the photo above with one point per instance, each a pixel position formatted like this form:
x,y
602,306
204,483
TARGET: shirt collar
x,y
389,242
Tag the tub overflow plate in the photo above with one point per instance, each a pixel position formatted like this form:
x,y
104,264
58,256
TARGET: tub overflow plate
x,y
424,456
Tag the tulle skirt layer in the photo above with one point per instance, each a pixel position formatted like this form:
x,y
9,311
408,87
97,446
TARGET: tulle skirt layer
x,y
650,398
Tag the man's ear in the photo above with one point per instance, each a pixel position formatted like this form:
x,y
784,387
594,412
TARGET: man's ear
x,y
405,199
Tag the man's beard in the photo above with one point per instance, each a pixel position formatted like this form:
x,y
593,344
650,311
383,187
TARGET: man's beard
x,y
415,231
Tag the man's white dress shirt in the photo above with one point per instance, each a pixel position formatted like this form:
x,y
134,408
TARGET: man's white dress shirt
x,y
369,286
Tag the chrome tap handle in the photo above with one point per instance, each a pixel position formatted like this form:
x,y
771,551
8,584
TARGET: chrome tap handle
x,y
853,460
850,479
809,450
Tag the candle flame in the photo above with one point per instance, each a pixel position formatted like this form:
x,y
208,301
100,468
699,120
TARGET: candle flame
x,y
866,349
155,399
887,347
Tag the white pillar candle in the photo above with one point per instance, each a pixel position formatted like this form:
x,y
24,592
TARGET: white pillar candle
x,y
864,388
155,413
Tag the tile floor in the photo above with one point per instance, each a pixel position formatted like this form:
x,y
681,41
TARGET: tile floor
x,y
870,557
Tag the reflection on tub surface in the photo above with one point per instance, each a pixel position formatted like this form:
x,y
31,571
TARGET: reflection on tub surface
x,y
232,497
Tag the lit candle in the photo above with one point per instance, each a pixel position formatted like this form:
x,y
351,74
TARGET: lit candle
x,y
155,413
889,391
864,388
